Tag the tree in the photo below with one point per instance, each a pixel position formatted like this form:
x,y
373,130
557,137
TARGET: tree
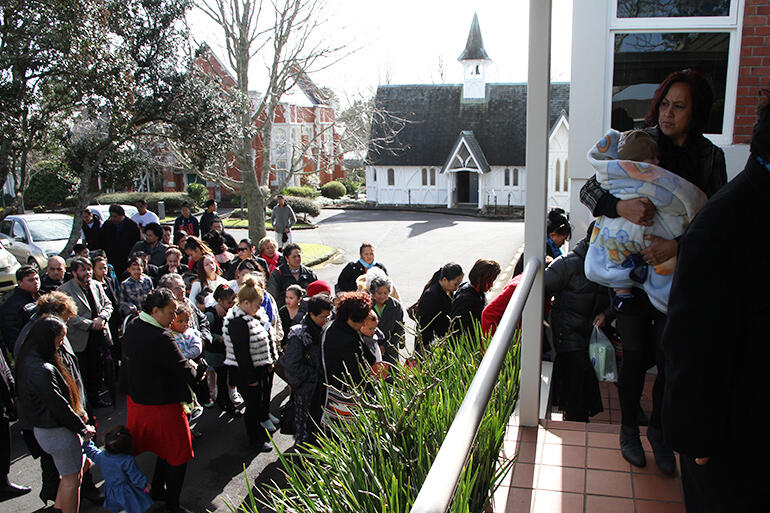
x,y
142,84
43,45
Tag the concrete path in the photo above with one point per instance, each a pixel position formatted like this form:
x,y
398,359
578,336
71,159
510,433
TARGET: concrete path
x,y
412,245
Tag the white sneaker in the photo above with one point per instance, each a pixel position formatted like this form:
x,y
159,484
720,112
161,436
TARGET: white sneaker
x,y
196,412
268,424
235,397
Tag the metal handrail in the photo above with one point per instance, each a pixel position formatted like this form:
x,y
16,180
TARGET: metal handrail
x,y
441,482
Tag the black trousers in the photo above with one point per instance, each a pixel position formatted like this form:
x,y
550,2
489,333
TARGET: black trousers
x,y
640,331
254,401
5,448
169,478
90,363
308,407
725,484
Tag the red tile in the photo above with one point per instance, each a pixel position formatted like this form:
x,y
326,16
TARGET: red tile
x,y
547,501
645,443
527,452
567,424
563,455
659,507
522,433
607,459
602,482
601,416
564,437
561,479
605,440
601,504
602,428
519,500
523,475
647,486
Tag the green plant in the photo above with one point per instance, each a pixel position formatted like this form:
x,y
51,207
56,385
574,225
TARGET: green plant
x,y
198,192
172,200
299,205
333,190
303,191
378,460
351,187
50,184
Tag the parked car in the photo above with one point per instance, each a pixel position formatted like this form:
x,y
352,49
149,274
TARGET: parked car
x,y
103,211
8,266
32,238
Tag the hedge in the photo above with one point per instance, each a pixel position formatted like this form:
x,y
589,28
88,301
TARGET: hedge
x,y
299,205
198,192
302,191
333,190
173,200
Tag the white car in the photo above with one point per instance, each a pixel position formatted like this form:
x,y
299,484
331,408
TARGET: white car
x,y
102,212
8,266
33,238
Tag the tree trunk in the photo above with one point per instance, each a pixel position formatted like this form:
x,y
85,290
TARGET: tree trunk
x,y
86,172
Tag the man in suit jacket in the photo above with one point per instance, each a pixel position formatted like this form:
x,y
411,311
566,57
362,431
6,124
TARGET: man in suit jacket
x,y
88,331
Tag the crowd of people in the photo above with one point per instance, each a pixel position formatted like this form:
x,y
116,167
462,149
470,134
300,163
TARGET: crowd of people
x,y
186,319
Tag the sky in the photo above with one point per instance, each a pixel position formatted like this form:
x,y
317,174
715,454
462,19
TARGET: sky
x,y
404,41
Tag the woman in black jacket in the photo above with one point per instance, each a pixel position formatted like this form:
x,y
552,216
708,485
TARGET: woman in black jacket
x,y
250,352
578,306
391,316
435,304
347,279
470,299
304,367
157,379
50,400
680,108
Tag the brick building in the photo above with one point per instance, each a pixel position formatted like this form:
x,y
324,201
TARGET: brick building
x,y
303,136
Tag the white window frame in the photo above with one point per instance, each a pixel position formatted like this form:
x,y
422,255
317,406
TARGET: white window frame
x,y
732,24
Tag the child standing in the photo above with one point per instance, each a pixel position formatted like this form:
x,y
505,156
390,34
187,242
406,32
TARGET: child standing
x,y
126,487
190,344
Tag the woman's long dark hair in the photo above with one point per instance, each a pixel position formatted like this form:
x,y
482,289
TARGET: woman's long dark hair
x,y
558,222
449,271
702,98
42,338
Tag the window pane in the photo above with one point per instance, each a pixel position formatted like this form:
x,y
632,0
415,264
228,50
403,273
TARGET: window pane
x,y
507,176
643,60
424,176
515,177
391,176
433,176
672,8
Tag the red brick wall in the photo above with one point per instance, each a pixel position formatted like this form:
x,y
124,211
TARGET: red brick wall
x,y
754,71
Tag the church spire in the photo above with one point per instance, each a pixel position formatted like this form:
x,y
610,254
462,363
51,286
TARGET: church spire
x,y
474,48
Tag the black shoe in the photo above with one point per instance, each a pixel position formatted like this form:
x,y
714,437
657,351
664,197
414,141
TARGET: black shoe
x,y
643,419
631,446
11,491
48,495
664,456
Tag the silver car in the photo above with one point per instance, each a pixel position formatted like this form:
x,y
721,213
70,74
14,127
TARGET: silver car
x,y
32,238
102,212
8,266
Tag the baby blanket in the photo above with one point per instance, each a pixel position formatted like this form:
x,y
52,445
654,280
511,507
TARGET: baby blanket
x,y
613,257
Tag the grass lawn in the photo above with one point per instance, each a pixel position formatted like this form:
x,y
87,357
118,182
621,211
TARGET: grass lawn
x,y
315,253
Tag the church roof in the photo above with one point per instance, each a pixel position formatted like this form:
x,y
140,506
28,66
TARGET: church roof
x,y
474,48
436,117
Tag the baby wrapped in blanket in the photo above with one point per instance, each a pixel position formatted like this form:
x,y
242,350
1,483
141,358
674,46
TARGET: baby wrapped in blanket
x,y
626,167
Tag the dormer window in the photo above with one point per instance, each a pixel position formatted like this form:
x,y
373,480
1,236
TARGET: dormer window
x,y
476,70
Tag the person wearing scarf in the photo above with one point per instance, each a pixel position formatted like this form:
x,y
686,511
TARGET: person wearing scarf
x,y
347,279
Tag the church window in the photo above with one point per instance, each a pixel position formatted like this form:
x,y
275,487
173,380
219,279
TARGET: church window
x,y
424,176
507,177
374,174
391,176
433,176
557,176
565,180
515,176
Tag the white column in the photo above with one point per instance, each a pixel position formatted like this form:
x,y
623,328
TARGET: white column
x,y
538,95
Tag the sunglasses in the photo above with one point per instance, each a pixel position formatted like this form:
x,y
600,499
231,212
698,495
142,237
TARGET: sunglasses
x,y
242,249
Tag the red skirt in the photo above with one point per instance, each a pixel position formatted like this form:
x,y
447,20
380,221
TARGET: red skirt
x,y
161,429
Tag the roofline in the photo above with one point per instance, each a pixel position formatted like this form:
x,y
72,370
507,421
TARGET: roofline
x,y
460,85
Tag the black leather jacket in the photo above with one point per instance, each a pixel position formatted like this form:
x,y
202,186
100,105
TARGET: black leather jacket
x,y
43,395
577,301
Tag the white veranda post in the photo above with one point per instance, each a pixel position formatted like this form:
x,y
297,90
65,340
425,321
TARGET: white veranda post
x,y
538,96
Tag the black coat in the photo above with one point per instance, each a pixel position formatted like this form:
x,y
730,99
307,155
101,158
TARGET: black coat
x,y
48,285
206,219
7,389
302,357
715,341
117,241
43,395
347,279
392,326
433,313
281,278
577,301
287,322
343,353
154,371
189,225
92,234
467,304
14,315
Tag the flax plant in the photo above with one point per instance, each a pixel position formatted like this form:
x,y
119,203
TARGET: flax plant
x,y
377,461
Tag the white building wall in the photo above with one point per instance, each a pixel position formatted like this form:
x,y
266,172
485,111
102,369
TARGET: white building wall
x,y
558,145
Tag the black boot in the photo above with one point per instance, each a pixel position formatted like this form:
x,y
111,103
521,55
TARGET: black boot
x,y
631,446
664,456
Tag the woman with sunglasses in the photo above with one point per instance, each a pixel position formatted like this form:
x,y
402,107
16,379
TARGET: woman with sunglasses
x,y
245,251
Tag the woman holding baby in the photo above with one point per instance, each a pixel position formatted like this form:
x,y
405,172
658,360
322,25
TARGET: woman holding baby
x,y
680,108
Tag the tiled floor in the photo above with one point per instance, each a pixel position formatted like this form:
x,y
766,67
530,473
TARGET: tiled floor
x,y
575,467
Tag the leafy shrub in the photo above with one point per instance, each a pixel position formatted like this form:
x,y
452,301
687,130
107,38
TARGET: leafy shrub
x,y
173,200
333,190
51,182
198,192
351,187
299,205
383,453
303,191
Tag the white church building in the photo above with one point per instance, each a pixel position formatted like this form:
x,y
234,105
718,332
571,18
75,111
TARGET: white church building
x,y
463,145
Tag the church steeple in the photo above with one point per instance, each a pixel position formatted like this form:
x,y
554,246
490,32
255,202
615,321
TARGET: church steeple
x,y
475,61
